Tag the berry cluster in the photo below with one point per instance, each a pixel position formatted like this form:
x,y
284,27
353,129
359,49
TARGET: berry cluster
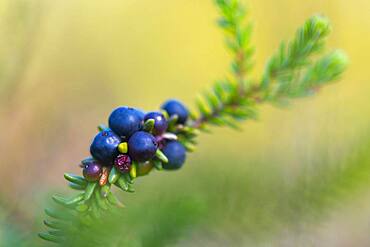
x,y
136,142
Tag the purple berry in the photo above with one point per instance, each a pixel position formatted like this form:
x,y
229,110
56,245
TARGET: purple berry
x,y
123,163
125,121
160,124
92,171
175,107
176,154
142,146
104,147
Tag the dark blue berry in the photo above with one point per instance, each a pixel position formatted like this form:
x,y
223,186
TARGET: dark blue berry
x,y
176,154
175,107
142,146
104,146
125,121
160,124
140,114
92,171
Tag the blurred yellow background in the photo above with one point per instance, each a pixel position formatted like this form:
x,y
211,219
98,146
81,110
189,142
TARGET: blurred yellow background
x,y
64,65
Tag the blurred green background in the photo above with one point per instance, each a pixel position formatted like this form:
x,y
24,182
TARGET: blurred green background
x,y
297,177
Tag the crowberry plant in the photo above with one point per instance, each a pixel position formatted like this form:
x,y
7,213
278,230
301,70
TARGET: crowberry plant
x,y
136,144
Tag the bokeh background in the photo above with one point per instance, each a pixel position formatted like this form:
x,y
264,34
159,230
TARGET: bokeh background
x,y
296,177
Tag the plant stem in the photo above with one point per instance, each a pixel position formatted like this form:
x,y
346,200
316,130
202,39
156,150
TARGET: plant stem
x,y
252,94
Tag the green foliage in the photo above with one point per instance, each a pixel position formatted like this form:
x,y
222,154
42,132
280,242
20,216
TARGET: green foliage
x,y
79,212
328,68
230,100
291,72
238,36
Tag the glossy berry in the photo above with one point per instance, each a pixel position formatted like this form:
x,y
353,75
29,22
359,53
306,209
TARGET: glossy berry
x,y
92,171
125,121
142,146
140,114
160,124
123,163
176,154
175,107
104,146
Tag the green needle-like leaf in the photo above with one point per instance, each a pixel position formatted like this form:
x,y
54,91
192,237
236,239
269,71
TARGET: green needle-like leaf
x,y
68,202
149,125
100,200
161,156
113,200
75,179
58,225
113,176
51,237
76,186
90,190
105,189
158,165
57,214
122,183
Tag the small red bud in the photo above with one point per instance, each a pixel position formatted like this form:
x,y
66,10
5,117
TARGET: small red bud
x,y
123,163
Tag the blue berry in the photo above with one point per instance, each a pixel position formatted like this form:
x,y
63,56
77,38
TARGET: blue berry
x,y
160,124
140,114
125,121
142,146
175,107
104,146
176,154
92,171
